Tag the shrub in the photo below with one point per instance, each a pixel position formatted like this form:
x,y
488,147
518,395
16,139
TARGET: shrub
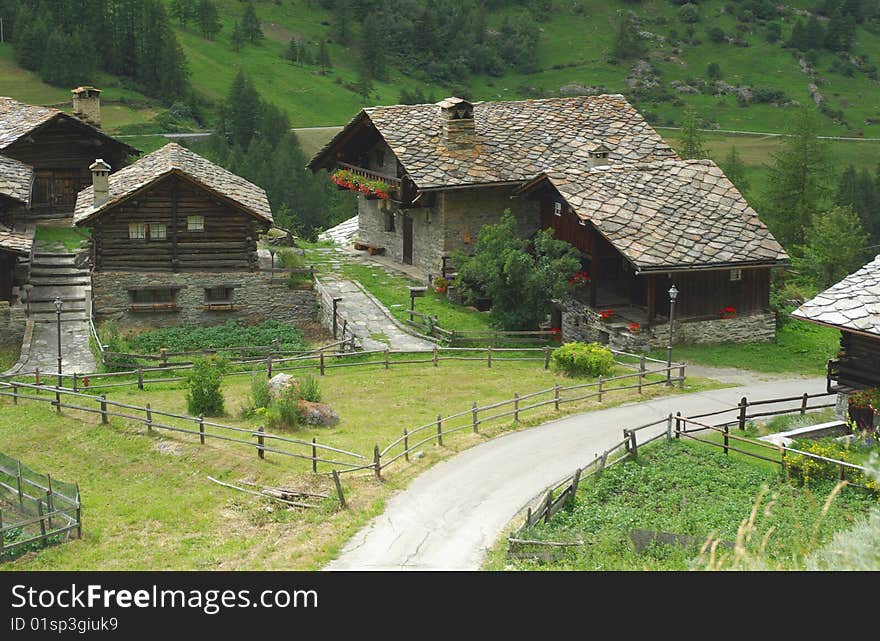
x,y
717,35
689,13
282,411
310,389
114,343
203,382
229,334
260,390
581,359
806,469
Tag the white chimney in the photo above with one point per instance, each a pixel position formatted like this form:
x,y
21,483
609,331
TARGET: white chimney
x,y
87,105
100,180
598,156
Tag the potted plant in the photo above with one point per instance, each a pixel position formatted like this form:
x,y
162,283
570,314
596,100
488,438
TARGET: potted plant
x,y
580,278
635,328
728,312
440,285
605,314
556,334
863,405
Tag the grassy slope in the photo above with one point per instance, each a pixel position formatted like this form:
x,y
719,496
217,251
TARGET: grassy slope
x,y
149,505
687,488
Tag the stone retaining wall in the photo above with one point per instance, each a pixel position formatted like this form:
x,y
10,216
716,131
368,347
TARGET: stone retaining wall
x,y
12,324
256,297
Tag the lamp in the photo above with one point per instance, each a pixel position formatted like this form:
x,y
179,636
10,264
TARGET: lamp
x,y
673,295
58,305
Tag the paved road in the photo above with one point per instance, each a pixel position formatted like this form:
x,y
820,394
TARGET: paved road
x,y
449,516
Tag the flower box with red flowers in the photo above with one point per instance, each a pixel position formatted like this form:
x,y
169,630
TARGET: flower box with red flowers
x,y
605,314
635,328
580,278
556,333
371,189
728,312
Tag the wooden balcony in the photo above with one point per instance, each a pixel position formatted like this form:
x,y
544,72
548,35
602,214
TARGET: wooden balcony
x,y
402,190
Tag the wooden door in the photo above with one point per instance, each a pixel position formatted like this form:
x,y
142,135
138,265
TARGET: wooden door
x,y
7,274
407,240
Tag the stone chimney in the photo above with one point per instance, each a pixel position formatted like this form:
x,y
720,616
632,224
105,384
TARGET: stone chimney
x,y
598,156
458,123
100,180
87,105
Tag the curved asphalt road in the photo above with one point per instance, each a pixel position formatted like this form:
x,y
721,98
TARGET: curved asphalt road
x,y
449,516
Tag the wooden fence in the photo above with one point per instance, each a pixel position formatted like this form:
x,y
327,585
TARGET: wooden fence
x,y
429,326
562,494
34,508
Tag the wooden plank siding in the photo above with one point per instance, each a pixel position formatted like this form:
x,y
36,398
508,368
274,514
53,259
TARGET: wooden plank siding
x,y
228,242
703,294
859,356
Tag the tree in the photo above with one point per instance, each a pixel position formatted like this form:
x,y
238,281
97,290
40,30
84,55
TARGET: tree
x,y
834,247
208,18
237,39
364,84
691,138
798,38
796,188
324,57
735,169
30,40
856,189
250,24
814,35
840,32
628,44
371,46
713,71
183,10
521,276
292,52
241,110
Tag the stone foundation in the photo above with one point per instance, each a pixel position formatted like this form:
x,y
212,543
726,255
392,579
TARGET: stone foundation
x,y
256,297
582,323
12,324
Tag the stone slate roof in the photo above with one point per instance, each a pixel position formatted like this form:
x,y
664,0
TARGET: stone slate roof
x,y
667,215
16,179
852,304
514,140
18,119
15,241
173,158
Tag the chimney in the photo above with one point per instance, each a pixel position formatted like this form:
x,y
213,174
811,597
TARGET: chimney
x,y
87,105
100,181
598,156
458,123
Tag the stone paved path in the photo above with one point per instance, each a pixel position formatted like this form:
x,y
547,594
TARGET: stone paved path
x,y
54,275
369,320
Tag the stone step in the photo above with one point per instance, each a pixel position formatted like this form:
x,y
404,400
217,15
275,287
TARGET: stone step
x,y
51,299
55,282
60,270
49,308
43,321
53,263
54,255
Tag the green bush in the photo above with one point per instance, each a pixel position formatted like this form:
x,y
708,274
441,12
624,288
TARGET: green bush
x,y
310,389
114,343
806,469
582,359
282,411
229,334
260,390
203,394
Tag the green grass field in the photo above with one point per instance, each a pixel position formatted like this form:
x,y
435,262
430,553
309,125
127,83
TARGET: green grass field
x,y
147,502
690,489
71,238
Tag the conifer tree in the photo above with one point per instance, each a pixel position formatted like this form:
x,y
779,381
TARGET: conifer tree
x,y
208,18
237,38
735,169
628,44
324,57
250,24
691,139
30,39
834,247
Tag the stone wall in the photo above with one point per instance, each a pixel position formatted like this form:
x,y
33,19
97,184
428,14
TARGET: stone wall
x,y
427,231
12,324
255,298
582,323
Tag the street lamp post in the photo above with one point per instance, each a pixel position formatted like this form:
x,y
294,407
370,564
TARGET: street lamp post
x,y
58,324
673,294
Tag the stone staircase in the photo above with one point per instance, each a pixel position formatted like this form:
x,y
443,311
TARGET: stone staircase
x,y
55,276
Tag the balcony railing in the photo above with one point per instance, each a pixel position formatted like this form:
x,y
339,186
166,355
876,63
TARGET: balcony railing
x,y
402,191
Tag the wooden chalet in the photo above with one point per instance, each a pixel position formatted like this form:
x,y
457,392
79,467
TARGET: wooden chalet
x,y
16,241
853,307
60,147
642,228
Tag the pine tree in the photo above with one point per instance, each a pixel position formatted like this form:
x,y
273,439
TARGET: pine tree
x,y
691,139
340,11
628,44
183,10
735,169
364,84
208,18
797,189
840,33
371,46
237,39
243,106
815,34
30,40
292,53
324,57
798,39
250,24
834,247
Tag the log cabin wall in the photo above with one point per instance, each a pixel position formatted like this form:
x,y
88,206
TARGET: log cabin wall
x,y
227,242
703,294
858,361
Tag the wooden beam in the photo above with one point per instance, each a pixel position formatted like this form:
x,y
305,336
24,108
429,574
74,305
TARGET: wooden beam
x,y
650,294
174,223
594,267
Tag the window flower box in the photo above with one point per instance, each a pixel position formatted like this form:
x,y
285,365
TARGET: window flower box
x,y
863,408
440,285
728,312
605,314
635,328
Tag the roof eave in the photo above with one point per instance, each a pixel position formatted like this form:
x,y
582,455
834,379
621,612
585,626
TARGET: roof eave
x,y
841,328
317,162
679,267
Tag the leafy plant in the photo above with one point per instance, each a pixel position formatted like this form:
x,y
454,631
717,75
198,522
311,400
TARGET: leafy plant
x,y
260,394
582,359
230,334
116,361
203,381
282,411
866,398
807,469
310,389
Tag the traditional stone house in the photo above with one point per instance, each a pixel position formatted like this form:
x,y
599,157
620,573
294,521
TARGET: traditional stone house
x,y
853,307
454,165
15,241
60,147
174,240
642,228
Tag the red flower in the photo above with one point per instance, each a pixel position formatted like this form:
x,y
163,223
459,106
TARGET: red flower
x,y
556,330
729,310
606,313
578,278
634,327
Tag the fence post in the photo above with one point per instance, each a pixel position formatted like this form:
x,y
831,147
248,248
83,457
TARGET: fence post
x,y
474,416
575,480
149,417
2,535
515,406
641,371
677,424
529,517
314,455
439,430
42,520
386,358
556,396
14,394
546,357
547,503
338,485
321,353
269,366
260,442
726,432
50,502
435,356
79,529
20,493
600,389
743,404
377,463
202,429
104,419
669,427
140,374
804,403
489,356
37,376
681,377
75,389
406,445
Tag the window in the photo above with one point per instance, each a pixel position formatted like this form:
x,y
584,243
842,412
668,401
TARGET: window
x,y
153,296
195,223
389,221
157,231
557,208
736,275
218,295
137,231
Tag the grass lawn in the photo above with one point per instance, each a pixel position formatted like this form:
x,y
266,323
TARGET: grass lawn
x,y
691,489
148,503
800,348
8,356
70,237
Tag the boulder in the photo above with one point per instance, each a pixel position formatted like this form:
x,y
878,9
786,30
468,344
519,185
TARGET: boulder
x,y
317,413
280,383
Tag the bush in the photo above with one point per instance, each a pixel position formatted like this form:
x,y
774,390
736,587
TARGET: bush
x,y
203,382
229,334
260,390
282,411
689,13
581,359
115,343
310,389
717,35
806,470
